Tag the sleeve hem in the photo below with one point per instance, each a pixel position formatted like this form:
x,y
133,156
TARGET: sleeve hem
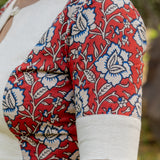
x,y
109,137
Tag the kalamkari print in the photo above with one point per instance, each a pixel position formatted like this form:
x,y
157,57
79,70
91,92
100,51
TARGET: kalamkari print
x,y
88,62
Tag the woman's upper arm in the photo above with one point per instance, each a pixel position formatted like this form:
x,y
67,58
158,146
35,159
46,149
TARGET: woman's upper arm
x,y
107,41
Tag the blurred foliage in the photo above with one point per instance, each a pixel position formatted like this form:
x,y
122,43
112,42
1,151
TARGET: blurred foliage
x,y
152,33
150,11
2,2
149,148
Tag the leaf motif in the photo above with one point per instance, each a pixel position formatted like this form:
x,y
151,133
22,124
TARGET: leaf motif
x,y
90,76
130,63
40,92
61,19
102,47
124,85
45,153
29,130
10,101
81,22
17,127
116,69
117,20
109,100
131,79
28,78
78,67
23,118
93,36
85,51
100,1
112,60
29,140
70,139
111,9
95,50
45,103
62,92
104,89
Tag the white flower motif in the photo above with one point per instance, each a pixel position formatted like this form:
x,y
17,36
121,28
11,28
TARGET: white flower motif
x,y
50,80
12,101
51,135
114,65
121,3
125,40
28,59
72,10
81,100
76,52
57,101
140,35
136,100
126,23
84,22
45,40
122,102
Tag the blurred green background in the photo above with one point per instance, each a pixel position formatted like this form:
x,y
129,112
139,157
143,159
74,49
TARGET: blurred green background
x,y
2,2
150,11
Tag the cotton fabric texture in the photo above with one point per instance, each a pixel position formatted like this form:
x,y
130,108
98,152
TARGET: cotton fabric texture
x,y
87,64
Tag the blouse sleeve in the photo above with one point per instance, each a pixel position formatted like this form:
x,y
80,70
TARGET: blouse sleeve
x,y
87,66
106,44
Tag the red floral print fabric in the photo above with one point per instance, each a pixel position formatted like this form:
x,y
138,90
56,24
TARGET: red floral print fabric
x,y
88,62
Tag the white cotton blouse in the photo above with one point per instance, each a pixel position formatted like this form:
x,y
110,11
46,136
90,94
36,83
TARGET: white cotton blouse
x,y
27,28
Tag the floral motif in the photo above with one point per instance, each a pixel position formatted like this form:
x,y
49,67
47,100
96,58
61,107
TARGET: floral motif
x,y
126,23
13,101
84,23
114,64
76,52
136,100
121,3
50,80
73,9
122,102
140,35
51,136
57,101
125,40
45,40
81,100
62,80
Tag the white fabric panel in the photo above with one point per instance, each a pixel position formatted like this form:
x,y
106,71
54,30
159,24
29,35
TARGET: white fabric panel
x,y
108,137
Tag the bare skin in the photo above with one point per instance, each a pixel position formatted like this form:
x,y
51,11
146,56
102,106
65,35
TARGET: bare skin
x,y
21,4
